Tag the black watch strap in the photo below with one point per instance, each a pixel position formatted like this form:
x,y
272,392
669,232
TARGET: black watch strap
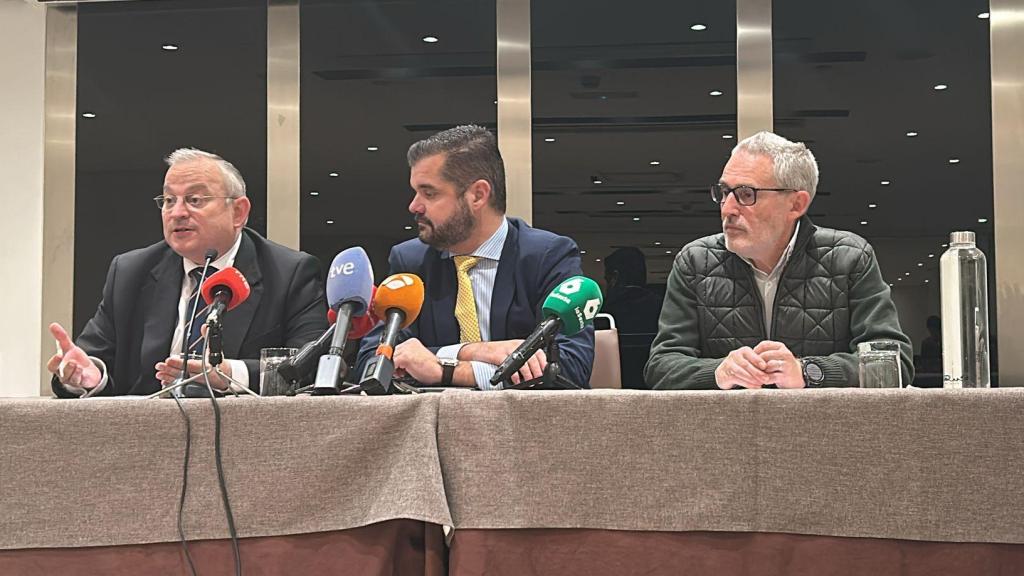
x,y
447,371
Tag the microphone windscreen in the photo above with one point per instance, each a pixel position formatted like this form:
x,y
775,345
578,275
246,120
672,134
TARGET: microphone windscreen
x,y
332,317
360,325
403,292
575,302
350,279
231,279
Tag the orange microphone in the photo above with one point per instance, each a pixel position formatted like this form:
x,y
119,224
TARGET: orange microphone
x,y
398,301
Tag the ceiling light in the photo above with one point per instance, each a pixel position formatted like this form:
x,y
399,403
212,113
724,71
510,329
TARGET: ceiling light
x,y
945,245
169,47
549,139
983,16
372,148
698,27
655,163
863,222
940,87
88,115
872,206
314,193
919,264
495,101
620,203
885,182
657,243
906,273
931,255
583,251
954,160
926,281
597,259
598,181
430,39
890,284
726,136
668,251
899,279
982,220
911,134
636,219
715,93
330,221
333,174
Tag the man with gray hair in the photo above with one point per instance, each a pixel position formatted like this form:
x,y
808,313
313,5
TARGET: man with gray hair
x,y
773,299
132,344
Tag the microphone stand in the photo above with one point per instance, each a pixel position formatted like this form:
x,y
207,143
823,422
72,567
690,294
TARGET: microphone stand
x,y
234,386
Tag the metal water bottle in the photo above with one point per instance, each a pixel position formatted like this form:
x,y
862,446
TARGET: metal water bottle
x,y
962,274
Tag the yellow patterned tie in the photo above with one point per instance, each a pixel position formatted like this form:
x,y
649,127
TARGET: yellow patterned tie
x,y
465,304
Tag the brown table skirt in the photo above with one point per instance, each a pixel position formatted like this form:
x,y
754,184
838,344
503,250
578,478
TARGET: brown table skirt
x,y
394,547
610,552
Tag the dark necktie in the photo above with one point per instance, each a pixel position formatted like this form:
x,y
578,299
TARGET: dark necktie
x,y
200,319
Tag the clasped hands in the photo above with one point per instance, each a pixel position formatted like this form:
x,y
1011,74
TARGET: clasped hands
x,y
413,358
767,363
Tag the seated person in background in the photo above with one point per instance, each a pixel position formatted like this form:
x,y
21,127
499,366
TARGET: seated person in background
x,y
634,307
931,347
485,276
773,299
132,344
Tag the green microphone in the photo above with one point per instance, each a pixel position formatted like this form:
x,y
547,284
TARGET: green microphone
x,y
568,309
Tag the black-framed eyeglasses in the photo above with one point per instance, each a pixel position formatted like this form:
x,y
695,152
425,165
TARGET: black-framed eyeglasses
x,y
745,195
192,201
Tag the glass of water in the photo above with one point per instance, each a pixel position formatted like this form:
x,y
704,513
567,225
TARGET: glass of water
x,y
880,364
271,383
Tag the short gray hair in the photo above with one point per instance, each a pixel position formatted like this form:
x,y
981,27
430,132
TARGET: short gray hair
x,y
233,181
471,154
792,163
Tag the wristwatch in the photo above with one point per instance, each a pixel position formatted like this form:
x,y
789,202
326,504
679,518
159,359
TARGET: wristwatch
x,y
448,366
814,376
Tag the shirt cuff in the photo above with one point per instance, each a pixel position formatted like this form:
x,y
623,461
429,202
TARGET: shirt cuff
x,y
82,392
483,371
450,352
240,373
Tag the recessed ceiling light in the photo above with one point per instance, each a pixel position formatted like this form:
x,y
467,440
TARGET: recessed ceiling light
x,y
931,255
169,47
885,182
333,174
906,273
698,27
982,220
430,39
872,206
925,280
911,134
549,139
715,93
583,251
655,163
940,87
330,221
597,259
408,227
598,181
919,264
668,251
890,284
863,222
899,279
726,136
372,148
88,115
983,15
495,101
314,193
620,203
954,160
945,245
657,243
636,219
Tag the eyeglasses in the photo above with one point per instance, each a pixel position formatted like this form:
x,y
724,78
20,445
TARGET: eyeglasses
x,y
192,201
745,195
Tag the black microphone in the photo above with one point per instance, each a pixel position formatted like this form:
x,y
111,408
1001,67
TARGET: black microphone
x,y
210,256
298,367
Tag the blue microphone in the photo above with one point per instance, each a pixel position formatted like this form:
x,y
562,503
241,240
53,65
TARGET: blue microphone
x,y
349,292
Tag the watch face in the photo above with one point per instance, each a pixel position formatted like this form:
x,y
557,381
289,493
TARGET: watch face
x,y
813,372
448,362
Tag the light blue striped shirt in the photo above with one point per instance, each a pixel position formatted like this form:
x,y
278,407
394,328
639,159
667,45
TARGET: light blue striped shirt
x,y
482,276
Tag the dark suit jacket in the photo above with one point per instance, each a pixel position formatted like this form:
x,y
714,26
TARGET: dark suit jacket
x,y
132,328
532,263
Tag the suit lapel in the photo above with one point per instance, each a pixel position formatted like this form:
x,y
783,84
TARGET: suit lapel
x,y
159,306
237,321
504,283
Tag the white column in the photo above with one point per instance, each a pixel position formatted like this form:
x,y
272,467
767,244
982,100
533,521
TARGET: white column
x,y
22,73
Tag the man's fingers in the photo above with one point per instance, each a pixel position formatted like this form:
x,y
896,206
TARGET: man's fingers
x,y
765,345
53,363
752,358
61,336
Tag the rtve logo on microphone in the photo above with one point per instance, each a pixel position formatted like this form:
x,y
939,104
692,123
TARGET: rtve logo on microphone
x,y
348,269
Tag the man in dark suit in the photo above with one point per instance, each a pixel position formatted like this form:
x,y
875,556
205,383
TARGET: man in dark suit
x,y
131,344
485,275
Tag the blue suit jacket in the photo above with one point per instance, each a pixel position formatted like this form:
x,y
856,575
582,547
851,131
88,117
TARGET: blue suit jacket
x,y
532,263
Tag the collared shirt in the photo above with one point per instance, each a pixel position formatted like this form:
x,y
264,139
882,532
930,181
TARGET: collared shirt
x,y
239,371
768,284
482,276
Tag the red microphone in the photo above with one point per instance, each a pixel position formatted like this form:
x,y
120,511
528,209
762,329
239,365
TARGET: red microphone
x,y
224,290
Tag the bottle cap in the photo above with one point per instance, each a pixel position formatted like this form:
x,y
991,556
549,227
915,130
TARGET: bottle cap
x,y
963,237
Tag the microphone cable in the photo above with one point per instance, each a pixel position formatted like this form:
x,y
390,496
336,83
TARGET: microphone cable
x,y
184,485
220,469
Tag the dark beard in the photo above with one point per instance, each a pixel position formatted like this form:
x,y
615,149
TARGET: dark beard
x,y
457,229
